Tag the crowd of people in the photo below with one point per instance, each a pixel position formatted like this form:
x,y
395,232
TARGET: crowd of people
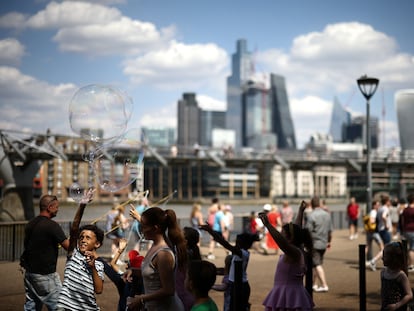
x,y
173,274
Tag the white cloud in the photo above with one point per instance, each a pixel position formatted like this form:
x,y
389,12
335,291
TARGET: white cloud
x,y
32,104
166,117
11,51
331,60
189,66
72,14
13,20
206,102
310,115
92,29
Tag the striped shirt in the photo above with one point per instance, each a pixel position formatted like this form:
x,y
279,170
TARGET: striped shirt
x,y
78,291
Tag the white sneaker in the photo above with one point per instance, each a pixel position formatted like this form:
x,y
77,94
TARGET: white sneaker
x,y
372,265
322,289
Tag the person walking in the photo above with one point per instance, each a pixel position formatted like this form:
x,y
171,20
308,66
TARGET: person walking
x,y
372,235
286,212
407,228
135,213
320,226
218,226
228,219
353,214
41,243
384,222
275,220
288,292
196,217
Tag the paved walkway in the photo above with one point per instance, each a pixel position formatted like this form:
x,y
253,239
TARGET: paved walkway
x,y
341,267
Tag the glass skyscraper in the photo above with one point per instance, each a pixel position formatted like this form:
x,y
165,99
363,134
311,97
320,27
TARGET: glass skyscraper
x,y
282,124
188,120
404,104
339,120
242,71
258,114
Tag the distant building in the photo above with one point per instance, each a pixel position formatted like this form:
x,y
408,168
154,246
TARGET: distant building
x,y
159,136
356,131
210,120
256,117
404,104
257,109
242,70
282,124
188,120
339,120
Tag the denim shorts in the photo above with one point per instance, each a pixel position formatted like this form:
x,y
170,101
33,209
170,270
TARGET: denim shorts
x,y
41,289
409,236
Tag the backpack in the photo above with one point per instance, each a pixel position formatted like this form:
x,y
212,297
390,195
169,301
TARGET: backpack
x,y
368,225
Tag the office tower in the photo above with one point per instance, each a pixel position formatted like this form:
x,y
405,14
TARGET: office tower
x,y
404,104
256,117
242,71
188,120
355,132
282,124
159,136
340,118
210,120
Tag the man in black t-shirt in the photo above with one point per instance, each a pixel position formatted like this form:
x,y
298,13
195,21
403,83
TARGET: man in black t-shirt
x,y
41,243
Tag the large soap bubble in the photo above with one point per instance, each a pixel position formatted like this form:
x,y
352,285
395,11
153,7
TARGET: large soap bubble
x,y
100,112
120,163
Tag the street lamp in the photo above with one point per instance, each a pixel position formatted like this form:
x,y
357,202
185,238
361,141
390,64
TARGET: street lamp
x,y
368,86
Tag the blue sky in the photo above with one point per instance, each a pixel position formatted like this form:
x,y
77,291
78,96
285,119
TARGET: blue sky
x,y
157,50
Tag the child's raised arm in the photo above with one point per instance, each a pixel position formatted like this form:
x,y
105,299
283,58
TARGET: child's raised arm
x,y
299,216
288,248
219,239
74,230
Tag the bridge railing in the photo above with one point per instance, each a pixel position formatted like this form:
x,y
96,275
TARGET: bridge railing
x,y
12,235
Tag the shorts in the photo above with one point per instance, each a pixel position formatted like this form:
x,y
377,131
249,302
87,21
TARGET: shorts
x,y
409,236
353,222
385,236
41,289
317,257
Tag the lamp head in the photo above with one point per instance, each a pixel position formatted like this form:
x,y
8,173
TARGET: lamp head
x,y
367,86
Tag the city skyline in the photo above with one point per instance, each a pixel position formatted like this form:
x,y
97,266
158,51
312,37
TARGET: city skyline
x,y
49,49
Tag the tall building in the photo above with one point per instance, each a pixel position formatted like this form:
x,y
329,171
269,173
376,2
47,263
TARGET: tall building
x,y
282,124
242,71
210,120
340,118
259,114
256,117
356,131
404,104
188,120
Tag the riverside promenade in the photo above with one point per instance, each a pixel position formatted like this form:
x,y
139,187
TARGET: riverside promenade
x,y
341,267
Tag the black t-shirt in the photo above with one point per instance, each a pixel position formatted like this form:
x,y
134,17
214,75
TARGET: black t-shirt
x,y
42,239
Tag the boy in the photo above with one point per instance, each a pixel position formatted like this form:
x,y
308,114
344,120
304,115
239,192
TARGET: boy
x,y
201,277
83,276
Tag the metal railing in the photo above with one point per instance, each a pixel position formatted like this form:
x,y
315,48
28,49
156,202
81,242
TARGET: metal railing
x,y
12,234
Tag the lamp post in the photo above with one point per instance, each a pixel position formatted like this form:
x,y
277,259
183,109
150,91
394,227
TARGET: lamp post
x,y
368,86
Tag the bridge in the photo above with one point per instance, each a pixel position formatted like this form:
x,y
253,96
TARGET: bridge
x,y
196,172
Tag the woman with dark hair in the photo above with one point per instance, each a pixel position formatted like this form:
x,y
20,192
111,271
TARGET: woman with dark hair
x,y
167,254
288,292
